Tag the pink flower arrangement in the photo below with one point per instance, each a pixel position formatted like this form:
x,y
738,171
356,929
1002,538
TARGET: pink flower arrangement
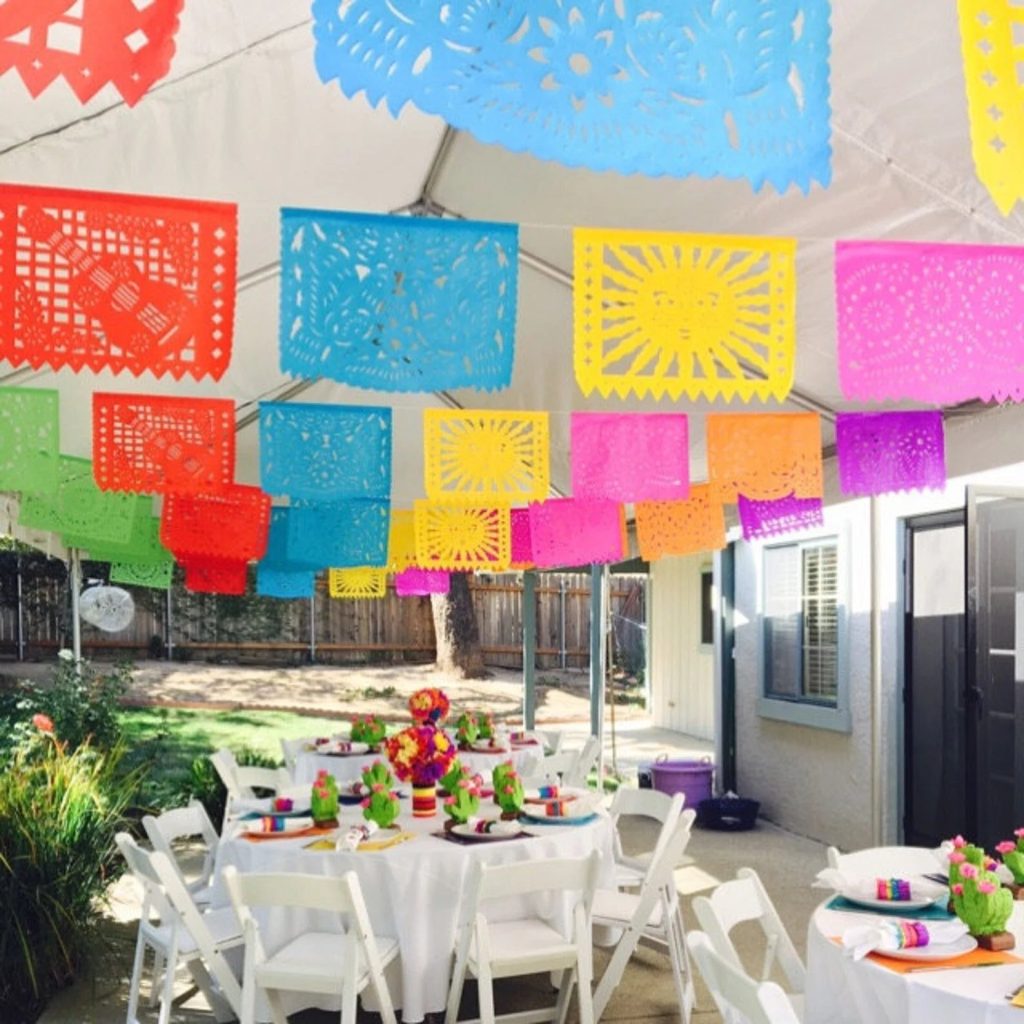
x,y
429,705
420,753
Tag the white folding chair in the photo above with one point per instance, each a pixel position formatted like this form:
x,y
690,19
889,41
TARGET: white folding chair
x,y
653,914
739,998
551,740
643,803
165,830
744,898
171,926
290,750
327,963
527,945
586,761
241,780
888,861
553,768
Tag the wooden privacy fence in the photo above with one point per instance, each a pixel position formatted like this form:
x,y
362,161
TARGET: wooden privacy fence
x,y
35,607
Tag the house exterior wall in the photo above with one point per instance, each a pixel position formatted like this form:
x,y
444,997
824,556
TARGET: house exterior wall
x,y
814,781
681,669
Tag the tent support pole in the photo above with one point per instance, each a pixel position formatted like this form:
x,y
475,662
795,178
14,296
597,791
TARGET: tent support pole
x,y
529,649
598,646
75,558
876,676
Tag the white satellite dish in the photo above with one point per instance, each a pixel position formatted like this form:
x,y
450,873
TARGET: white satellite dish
x,y
108,608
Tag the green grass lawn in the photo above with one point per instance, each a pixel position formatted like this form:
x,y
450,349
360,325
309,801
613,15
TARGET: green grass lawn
x,y
170,739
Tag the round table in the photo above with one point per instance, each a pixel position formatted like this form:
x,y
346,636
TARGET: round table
x,y
843,991
347,768
412,892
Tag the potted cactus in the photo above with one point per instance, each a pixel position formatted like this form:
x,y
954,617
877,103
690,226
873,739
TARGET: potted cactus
x,y
508,793
462,803
378,774
451,778
1012,852
381,806
368,729
978,898
467,730
485,723
323,800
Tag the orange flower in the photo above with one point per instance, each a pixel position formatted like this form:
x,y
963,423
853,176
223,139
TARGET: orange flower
x,y
43,722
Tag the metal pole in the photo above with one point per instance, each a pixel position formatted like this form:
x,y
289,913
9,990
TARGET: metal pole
x,y
312,626
21,616
876,675
598,627
529,649
169,623
563,658
76,587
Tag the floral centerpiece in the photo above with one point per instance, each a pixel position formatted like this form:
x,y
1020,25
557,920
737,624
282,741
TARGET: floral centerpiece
x,y
429,705
977,895
421,754
1012,853
368,729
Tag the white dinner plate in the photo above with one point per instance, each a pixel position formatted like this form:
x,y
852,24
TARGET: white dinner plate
x,y
353,749
469,832
486,748
895,906
940,951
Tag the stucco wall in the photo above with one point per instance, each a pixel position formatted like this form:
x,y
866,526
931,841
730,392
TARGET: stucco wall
x,y
813,781
682,670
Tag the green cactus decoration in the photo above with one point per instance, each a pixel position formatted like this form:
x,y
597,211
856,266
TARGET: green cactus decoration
x,y
509,795
323,799
450,780
499,774
467,729
381,806
485,723
378,774
368,729
978,897
1012,852
463,802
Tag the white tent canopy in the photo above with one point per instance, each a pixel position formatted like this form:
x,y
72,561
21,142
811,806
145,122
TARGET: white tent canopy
x,y
243,117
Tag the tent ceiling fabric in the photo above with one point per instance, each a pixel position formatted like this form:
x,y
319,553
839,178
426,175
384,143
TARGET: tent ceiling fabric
x,y
243,117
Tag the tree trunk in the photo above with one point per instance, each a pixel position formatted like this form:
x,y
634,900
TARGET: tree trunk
x,y
456,633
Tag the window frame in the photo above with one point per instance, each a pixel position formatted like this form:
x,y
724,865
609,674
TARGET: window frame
x,y
802,710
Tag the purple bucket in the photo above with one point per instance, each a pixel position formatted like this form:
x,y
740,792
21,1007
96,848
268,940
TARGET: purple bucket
x,y
689,777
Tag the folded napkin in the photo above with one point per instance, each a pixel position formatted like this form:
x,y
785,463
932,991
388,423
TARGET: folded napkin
x,y
356,834
494,826
891,936
894,890
277,823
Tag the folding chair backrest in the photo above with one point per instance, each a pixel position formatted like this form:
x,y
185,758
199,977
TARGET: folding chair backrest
x,y
251,777
585,762
155,899
290,750
499,880
745,898
183,823
646,803
178,908
887,861
551,738
736,993
226,767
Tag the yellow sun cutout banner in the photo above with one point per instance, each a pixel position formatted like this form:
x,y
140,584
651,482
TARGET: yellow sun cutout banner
x,y
461,538
704,316
401,540
360,582
479,456
992,42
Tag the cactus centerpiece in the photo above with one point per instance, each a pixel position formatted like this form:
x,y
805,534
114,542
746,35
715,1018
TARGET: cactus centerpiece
x,y
485,723
1012,852
467,730
979,900
381,806
462,802
368,729
323,799
508,791
378,774
451,778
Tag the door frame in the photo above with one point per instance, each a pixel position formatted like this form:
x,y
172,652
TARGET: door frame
x,y
904,624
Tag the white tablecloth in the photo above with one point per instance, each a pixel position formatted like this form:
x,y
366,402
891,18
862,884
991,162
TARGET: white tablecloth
x,y
840,991
412,892
348,768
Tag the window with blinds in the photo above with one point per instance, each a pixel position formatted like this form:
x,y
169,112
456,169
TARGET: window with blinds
x,y
801,622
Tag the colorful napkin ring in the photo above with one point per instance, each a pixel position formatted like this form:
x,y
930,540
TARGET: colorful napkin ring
x,y
484,825
894,889
557,808
909,934
548,792
268,823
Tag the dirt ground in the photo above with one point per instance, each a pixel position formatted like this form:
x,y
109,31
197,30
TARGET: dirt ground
x,y
334,689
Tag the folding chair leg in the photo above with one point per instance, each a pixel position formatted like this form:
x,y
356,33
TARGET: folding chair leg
x,y
384,1005
158,969
248,1009
682,973
277,1014
222,1011
167,995
451,1014
564,995
585,982
349,999
624,950
485,993
136,982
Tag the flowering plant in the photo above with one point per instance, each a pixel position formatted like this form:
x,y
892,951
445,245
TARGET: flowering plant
x,y
978,898
463,802
368,729
429,705
382,805
467,729
1013,855
420,753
